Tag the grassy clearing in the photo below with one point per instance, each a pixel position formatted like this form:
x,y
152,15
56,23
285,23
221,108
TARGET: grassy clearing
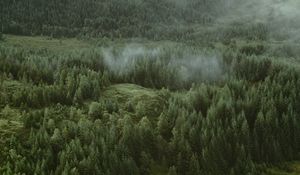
x,y
292,168
40,42
69,44
10,118
143,101
10,123
8,128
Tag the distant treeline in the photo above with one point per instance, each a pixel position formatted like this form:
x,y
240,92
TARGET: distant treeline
x,y
110,18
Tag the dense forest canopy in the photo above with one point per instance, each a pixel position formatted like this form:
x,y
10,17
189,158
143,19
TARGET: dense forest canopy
x,y
149,87
101,17
152,19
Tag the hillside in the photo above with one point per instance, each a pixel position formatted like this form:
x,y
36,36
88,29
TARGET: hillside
x,y
152,87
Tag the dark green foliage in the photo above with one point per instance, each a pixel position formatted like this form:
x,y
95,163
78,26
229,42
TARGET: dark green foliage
x,y
253,70
110,18
96,110
226,127
253,49
172,171
60,118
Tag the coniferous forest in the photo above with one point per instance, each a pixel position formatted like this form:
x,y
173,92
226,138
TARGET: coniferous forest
x,y
150,87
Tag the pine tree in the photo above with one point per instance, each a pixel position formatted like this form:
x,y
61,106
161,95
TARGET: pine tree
x,y
1,36
163,126
172,171
7,169
96,110
145,162
147,135
57,140
259,131
194,168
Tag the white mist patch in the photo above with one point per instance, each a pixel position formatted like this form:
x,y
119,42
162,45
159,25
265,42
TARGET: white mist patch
x,y
123,60
188,66
281,17
198,67
264,9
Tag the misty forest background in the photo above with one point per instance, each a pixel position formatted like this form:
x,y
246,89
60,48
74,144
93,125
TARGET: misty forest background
x,y
149,87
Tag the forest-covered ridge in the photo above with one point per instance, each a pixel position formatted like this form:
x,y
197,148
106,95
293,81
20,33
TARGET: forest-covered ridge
x,y
127,100
171,87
